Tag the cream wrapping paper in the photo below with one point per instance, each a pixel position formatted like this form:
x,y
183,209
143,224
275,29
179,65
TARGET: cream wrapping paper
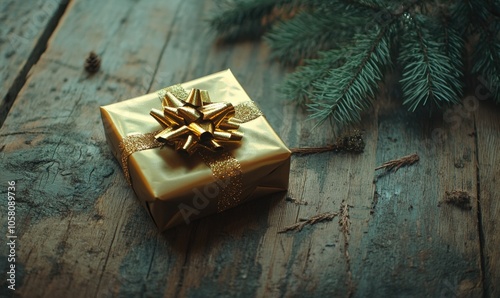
x,y
176,188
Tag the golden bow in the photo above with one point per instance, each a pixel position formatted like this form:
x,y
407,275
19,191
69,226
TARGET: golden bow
x,y
196,122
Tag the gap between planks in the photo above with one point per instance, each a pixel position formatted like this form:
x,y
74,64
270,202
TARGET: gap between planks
x,y
37,51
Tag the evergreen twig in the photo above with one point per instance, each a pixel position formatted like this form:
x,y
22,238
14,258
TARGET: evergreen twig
x,y
291,48
245,18
486,58
454,49
299,84
428,74
349,89
341,74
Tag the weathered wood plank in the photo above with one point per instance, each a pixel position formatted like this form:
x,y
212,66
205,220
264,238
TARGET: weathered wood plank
x,y
488,142
73,204
26,28
83,232
412,247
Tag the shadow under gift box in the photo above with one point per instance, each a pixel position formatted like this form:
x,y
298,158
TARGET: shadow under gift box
x,y
176,188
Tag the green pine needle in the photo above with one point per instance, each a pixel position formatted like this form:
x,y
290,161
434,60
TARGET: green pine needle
x,y
350,88
429,77
242,18
345,56
487,59
290,43
290,48
299,84
454,49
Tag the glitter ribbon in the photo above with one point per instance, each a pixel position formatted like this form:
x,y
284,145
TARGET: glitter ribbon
x,y
191,122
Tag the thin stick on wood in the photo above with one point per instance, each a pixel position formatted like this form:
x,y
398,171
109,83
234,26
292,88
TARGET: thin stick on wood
x,y
352,142
344,222
296,201
328,216
395,164
345,227
312,150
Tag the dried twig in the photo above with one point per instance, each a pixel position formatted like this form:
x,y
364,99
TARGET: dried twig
x,y
400,162
328,216
346,143
458,198
345,227
312,150
344,222
296,201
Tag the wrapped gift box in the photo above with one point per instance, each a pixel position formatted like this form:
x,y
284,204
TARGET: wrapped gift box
x,y
178,188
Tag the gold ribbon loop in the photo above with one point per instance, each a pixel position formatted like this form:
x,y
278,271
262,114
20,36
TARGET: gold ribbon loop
x,y
191,123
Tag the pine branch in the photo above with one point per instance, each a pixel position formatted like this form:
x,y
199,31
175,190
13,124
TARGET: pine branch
x,y
486,58
480,10
251,18
454,49
348,89
341,81
467,14
494,8
372,4
290,43
299,84
428,71
461,12
327,28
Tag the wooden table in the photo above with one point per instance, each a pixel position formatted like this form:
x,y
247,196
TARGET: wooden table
x,y
83,233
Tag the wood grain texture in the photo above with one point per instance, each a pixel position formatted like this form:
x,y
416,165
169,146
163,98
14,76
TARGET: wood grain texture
x,y
411,232
68,183
83,232
26,27
488,142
